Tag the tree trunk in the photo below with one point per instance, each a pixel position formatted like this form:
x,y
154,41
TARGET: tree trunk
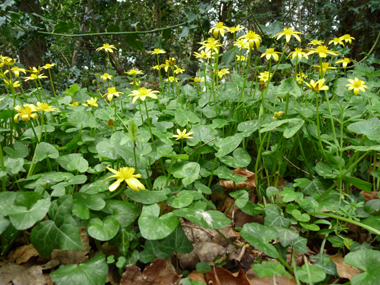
x,y
31,55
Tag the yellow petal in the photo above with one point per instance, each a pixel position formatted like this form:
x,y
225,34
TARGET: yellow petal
x,y
114,185
135,184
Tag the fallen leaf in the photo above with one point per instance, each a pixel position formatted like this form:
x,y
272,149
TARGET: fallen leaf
x,y
369,196
222,276
66,257
280,280
23,254
344,270
196,276
248,184
159,272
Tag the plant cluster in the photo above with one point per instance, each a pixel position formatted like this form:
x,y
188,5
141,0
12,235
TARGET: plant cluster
x,y
128,162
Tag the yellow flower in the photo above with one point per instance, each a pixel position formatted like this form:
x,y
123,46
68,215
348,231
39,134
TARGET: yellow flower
x,y
156,67
16,71
298,52
270,53
252,38
288,33
34,76
182,135
277,114
8,61
157,51
25,113
300,77
46,108
136,82
241,58
325,66
172,79
210,44
344,61
111,93
198,79
202,55
336,41
357,85
264,76
322,51
347,38
236,29
125,174
106,76
14,84
223,72
219,29
315,43
34,70
74,104
142,93
168,63
91,102
317,86
178,70
134,72
48,66
106,47
241,43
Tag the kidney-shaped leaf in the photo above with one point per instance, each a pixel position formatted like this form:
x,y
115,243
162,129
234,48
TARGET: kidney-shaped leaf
x,y
189,172
368,261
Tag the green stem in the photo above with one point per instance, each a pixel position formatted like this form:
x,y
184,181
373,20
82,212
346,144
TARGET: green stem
x,y
3,182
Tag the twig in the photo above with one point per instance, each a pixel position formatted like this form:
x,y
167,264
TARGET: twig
x,y
202,145
297,167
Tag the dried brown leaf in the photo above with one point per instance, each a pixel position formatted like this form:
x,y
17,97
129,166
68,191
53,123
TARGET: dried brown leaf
x,y
196,276
369,196
248,184
344,270
159,272
222,276
23,254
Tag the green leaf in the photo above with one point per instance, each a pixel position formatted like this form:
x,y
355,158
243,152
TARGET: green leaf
x,y
152,226
268,268
4,223
228,56
316,187
325,262
207,219
237,79
316,274
189,172
83,203
60,232
177,241
289,86
103,230
202,134
124,212
146,197
183,199
227,145
259,236
82,119
249,127
372,221
300,217
23,218
202,267
270,191
91,272
152,250
133,128
45,150
299,244
370,128
78,164
63,27
274,218
241,158
134,41
19,150
286,236
369,262
113,28
241,196
359,183
200,186
294,125
183,117
355,246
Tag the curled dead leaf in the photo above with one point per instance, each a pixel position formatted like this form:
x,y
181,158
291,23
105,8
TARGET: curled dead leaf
x,y
222,276
248,184
23,254
344,270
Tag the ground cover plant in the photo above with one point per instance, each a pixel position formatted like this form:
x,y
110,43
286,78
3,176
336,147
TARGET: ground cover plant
x,y
266,161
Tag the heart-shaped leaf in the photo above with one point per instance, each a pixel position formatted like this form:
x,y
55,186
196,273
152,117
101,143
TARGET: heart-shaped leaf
x,y
152,226
182,199
268,268
103,230
241,158
259,236
241,197
45,150
146,197
124,212
91,272
189,172
310,274
369,262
